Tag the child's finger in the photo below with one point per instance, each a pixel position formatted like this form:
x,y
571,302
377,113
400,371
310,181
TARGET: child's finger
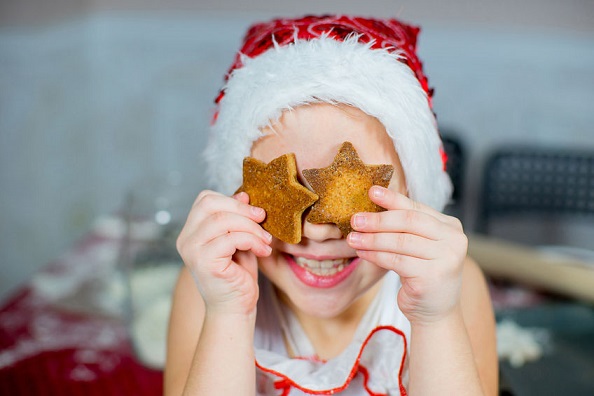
x,y
400,220
209,202
221,223
242,197
389,199
404,266
397,243
226,245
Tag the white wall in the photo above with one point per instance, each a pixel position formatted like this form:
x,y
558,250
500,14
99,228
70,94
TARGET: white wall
x,y
91,105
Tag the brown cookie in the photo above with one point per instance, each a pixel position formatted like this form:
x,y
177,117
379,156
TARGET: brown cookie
x,y
343,188
274,187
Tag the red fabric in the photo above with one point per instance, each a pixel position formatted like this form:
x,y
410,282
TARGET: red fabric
x,y
365,374
287,383
444,157
49,373
389,34
45,350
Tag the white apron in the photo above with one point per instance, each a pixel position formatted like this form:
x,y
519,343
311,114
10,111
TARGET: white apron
x,y
375,362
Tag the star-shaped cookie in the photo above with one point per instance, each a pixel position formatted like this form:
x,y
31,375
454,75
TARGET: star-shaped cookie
x,y
274,187
343,188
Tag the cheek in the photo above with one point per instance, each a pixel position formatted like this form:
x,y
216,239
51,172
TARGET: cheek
x,y
370,274
375,272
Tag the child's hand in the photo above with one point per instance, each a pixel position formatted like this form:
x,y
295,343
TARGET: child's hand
x,y
219,244
425,247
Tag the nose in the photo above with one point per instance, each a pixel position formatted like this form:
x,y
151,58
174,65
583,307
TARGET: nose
x,y
320,232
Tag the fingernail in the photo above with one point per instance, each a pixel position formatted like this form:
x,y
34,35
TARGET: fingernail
x,y
355,238
378,192
267,236
359,220
257,211
239,194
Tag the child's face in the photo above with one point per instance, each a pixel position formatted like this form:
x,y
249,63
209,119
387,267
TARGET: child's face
x,y
315,133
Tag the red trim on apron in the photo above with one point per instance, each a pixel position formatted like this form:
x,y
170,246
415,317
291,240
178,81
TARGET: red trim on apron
x,y
287,383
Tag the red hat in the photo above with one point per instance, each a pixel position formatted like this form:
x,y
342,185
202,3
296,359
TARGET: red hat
x,y
367,63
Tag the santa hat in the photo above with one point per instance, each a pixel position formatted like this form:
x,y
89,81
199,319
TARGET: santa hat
x,y
366,63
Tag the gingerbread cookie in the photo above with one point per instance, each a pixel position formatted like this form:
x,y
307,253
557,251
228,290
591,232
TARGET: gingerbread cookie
x,y
343,188
274,187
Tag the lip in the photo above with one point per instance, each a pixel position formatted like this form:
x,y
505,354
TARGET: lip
x,y
319,281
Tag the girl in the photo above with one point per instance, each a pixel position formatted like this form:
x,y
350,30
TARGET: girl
x,y
396,307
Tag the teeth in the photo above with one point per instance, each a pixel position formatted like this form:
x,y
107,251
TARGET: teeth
x,y
322,267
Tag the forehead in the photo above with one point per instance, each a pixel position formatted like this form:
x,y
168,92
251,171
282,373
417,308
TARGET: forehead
x,y
315,132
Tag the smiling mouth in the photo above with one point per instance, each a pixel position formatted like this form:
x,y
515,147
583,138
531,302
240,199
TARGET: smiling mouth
x,y
323,267
322,273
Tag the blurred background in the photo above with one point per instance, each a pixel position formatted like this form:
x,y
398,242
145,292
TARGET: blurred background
x,y
98,97
104,101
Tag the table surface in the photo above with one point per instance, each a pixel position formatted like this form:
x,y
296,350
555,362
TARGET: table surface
x,y
50,349
567,365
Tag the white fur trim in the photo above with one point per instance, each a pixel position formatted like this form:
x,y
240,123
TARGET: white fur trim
x,y
327,70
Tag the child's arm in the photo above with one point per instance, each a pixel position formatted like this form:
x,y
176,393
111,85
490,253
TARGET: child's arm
x,y
443,294
210,341
446,351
